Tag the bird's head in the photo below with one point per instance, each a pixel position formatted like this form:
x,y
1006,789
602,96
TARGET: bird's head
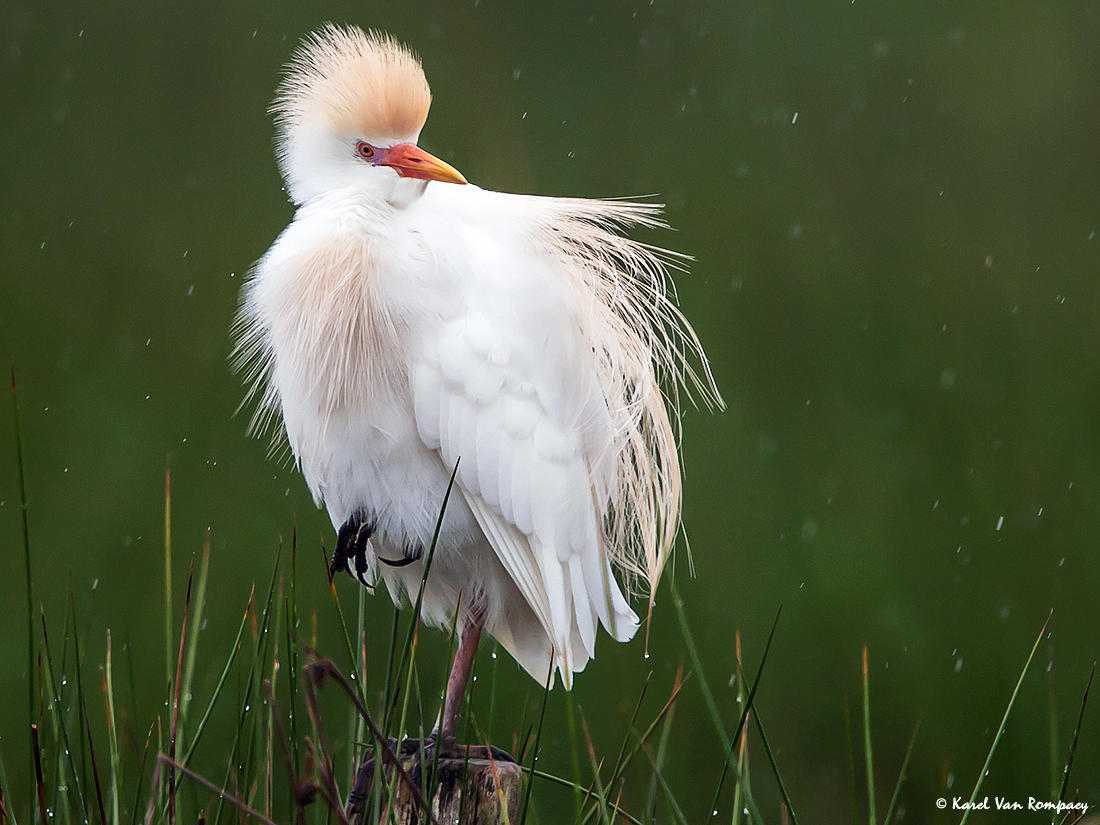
x,y
349,112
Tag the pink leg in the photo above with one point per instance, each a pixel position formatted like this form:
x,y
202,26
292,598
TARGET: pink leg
x,y
460,674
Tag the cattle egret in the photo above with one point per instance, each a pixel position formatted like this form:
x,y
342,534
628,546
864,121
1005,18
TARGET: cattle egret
x,y
405,325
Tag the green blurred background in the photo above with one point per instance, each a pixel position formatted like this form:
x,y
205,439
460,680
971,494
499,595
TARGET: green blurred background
x,y
893,211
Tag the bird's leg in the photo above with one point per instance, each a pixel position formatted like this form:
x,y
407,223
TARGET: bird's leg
x,y
443,737
460,673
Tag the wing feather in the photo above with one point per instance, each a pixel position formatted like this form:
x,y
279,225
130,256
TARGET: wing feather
x,y
523,472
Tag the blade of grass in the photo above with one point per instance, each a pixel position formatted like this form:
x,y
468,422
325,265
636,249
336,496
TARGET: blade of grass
x,y
82,709
741,742
1052,719
39,783
788,807
4,815
284,746
317,670
493,687
245,695
601,795
340,618
141,777
1076,733
128,650
662,748
578,797
466,761
871,813
221,681
502,806
174,732
269,734
324,764
357,729
168,635
193,638
625,815
535,748
59,722
1004,721
26,551
292,649
106,675
623,763
263,656
676,812
442,693
210,786
414,625
95,767
708,696
901,776
634,717
852,792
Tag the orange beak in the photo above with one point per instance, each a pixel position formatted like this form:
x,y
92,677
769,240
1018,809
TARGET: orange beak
x,y
410,161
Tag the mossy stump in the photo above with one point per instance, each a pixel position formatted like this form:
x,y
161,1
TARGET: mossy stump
x,y
485,792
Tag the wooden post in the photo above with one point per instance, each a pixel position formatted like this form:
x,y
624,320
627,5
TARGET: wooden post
x,y
490,794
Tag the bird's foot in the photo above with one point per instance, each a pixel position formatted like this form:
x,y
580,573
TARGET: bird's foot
x,y
418,758
351,547
446,748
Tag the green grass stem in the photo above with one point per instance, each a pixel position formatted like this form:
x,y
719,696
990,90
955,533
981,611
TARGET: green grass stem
x,y
670,798
221,681
141,779
535,747
169,637
851,750
601,795
1004,721
661,756
708,696
871,813
892,808
112,735
414,624
60,728
26,552
6,815
578,796
196,609
1074,738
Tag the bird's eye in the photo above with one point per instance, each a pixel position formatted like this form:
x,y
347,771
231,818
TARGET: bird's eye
x,y
365,150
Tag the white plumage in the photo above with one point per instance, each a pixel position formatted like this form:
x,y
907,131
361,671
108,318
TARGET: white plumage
x,y
404,324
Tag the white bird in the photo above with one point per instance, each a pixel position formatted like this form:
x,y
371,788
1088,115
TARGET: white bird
x,y
405,324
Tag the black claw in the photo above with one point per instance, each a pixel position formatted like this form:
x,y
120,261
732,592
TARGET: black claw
x,y
413,552
351,546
